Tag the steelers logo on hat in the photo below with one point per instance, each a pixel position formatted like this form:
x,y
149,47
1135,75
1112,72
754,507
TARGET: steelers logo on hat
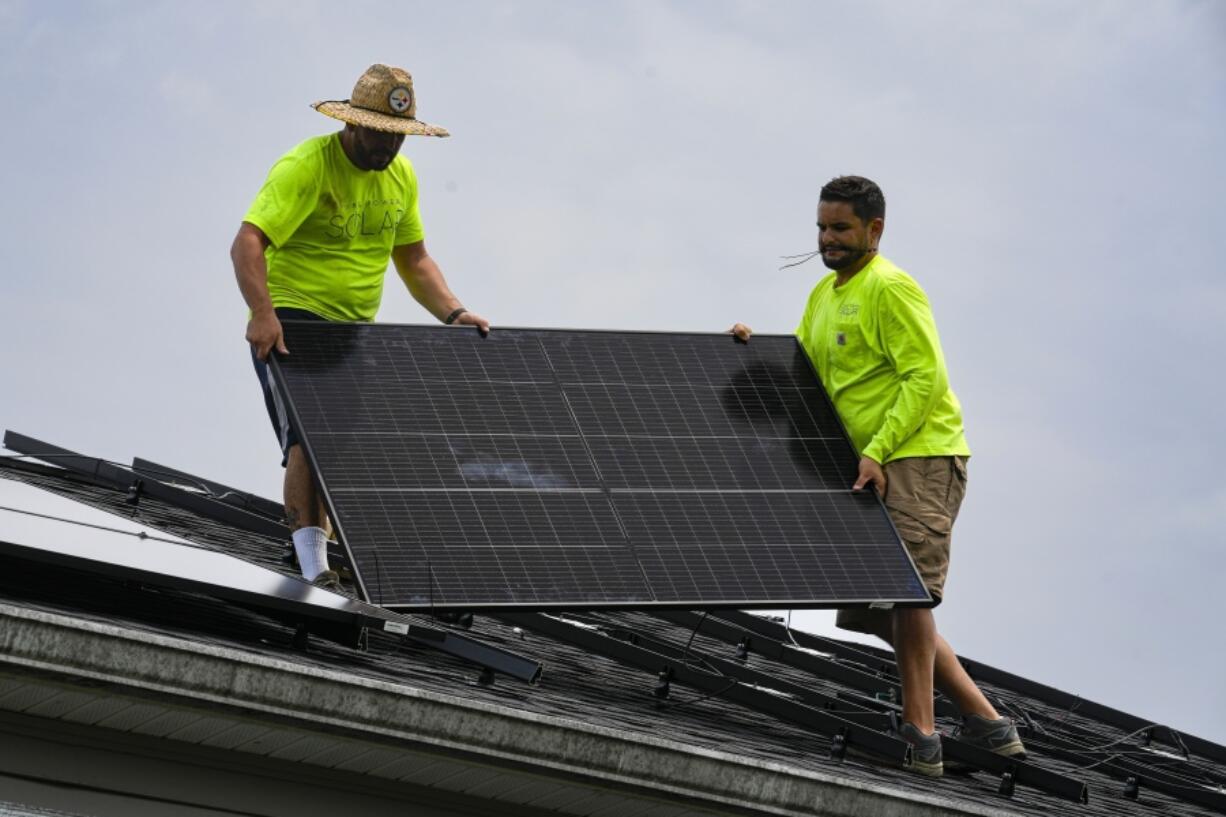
x,y
400,99
383,99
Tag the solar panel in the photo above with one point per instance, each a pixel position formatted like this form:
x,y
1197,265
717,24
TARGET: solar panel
x,y
100,545
49,529
579,469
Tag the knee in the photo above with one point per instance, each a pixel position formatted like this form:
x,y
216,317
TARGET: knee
x,y
298,468
912,625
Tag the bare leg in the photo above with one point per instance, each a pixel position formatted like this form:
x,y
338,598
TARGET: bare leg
x,y
305,514
952,679
949,677
303,506
915,647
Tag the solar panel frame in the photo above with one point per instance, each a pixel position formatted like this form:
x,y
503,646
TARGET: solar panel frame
x,y
189,568
73,537
311,439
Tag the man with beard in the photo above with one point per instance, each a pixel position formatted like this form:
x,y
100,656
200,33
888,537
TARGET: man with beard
x,y
869,332
315,245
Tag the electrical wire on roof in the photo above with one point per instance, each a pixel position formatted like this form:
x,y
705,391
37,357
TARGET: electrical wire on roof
x,y
1064,716
1174,777
1067,732
137,534
685,652
179,478
848,646
1018,713
175,479
1132,734
185,481
1175,737
787,628
1179,742
379,589
607,627
698,700
1170,776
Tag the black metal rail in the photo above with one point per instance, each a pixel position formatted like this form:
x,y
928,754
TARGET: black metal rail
x,y
772,629
844,733
1017,772
859,730
1095,711
338,557
122,479
216,491
877,685
1135,774
495,659
345,626
859,712
1177,741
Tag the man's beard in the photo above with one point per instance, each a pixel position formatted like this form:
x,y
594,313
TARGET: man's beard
x,y
372,160
850,257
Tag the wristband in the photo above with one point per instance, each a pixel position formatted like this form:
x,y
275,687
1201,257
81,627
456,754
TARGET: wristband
x,y
450,319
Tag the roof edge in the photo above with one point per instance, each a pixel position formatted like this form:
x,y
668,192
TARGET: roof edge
x,y
183,673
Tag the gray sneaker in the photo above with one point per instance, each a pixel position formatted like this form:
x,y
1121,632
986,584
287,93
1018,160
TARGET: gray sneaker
x,y
999,736
328,580
925,750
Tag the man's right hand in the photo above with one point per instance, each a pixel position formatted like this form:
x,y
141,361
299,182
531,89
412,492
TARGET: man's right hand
x,y
264,333
741,331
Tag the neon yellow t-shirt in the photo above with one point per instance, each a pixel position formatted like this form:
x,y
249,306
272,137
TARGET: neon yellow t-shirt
x,y
332,228
874,344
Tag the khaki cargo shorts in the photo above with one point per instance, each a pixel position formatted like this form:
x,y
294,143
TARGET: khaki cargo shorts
x,y
922,495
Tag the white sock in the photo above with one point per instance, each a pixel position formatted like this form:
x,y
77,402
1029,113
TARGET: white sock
x,y
311,545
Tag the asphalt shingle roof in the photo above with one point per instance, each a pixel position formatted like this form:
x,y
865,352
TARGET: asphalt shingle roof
x,y
593,688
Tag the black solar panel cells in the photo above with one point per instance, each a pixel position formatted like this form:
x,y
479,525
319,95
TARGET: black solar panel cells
x,y
449,548
687,575
644,358
721,518
425,460
680,463
538,469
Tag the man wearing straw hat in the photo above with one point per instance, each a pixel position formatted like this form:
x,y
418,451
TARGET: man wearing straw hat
x,y
315,245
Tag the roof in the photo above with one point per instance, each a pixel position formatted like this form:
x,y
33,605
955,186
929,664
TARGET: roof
x,y
762,744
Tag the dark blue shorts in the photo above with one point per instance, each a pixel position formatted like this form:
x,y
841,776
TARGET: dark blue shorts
x,y
287,437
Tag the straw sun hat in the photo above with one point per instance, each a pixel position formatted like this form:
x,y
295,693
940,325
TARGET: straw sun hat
x,y
382,100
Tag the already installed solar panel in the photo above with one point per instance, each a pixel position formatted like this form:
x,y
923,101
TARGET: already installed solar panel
x,y
578,469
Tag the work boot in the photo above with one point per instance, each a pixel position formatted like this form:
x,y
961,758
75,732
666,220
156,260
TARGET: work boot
x,y
925,750
328,580
998,736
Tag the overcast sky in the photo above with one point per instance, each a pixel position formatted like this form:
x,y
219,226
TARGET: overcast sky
x,y
1054,173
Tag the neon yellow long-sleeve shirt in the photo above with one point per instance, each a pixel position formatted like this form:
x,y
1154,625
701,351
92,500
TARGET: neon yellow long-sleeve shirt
x,y
874,344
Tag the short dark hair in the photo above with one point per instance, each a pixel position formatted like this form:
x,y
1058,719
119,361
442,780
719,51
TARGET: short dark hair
x,y
865,197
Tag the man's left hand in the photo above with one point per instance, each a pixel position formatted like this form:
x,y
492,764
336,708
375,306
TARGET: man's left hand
x,y
473,319
870,471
